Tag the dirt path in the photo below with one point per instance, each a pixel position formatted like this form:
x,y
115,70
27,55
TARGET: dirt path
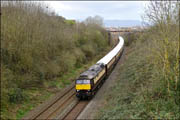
x,y
99,99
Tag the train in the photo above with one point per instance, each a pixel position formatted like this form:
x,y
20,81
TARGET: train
x,y
90,81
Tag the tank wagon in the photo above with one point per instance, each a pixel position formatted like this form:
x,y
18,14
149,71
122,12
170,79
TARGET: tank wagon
x,y
90,80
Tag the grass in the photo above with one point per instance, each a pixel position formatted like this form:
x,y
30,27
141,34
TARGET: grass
x,y
139,93
36,66
148,86
37,96
129,99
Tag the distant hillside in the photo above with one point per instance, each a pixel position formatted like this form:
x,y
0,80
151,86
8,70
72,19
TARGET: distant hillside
x,y
122,23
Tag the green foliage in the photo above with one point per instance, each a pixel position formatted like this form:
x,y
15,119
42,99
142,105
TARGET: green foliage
x,y
148,86
130,37
38,46
16,95
141,91
70,22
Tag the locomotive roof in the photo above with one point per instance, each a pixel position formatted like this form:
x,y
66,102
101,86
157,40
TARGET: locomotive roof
x,y
92,71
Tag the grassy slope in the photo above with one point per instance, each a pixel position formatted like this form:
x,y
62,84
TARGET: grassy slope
x,y
42,53
37,95
137,94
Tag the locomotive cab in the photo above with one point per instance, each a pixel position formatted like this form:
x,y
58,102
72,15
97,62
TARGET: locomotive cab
x,y
83,88
87,80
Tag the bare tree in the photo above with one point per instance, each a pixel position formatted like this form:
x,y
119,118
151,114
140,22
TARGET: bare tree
x,y
162,12
98,20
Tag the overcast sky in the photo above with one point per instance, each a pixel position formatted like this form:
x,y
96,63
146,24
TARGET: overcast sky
x,y
80,10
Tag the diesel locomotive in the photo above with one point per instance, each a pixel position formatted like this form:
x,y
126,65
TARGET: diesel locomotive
x,y
89,81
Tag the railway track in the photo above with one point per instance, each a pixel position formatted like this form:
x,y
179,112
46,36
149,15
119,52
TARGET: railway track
x,y
64,105
73,114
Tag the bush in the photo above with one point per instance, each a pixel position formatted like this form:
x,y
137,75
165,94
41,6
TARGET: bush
x,y
130,38
16,95
38,46
149,83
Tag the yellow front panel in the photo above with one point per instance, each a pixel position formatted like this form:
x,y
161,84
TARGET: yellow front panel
x,y
83,86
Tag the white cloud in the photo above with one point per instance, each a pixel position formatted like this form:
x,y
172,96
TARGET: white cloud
x,y
58,5
106,9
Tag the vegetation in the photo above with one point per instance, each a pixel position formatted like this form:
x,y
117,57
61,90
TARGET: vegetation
x,y
148,85
40,52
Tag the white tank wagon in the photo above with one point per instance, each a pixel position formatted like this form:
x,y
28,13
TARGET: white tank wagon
x,y
89,81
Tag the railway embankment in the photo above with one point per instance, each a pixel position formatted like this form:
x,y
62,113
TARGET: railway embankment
x,y
147,85
139,87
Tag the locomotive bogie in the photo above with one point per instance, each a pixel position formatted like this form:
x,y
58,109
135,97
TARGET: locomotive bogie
x,y
84,94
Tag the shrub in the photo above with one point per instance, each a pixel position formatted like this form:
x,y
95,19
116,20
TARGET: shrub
x,y
38,46
149,83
